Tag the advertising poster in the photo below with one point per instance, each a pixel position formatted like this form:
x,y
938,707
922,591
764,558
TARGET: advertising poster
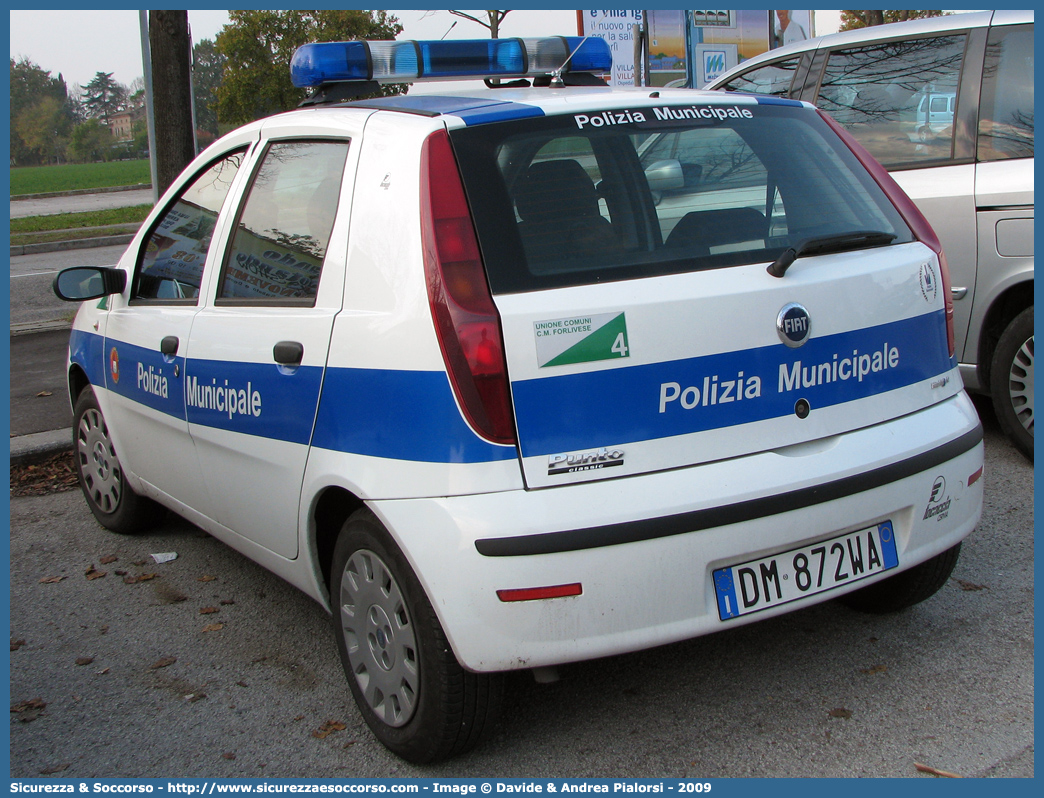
x,y
615,27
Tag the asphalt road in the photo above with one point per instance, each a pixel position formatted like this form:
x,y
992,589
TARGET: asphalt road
x,y
821,692
31,297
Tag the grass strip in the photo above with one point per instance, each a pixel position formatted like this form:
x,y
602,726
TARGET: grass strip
x,y
67,221
69,177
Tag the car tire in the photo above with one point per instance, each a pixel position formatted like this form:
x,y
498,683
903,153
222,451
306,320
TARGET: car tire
x,y
113,502
412,693
906,588
1011,381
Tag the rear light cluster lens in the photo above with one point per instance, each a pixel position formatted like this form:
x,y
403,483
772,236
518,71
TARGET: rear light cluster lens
x,y
908,210
539,593
466,319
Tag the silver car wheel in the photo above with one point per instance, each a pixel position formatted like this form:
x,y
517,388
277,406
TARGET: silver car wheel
x,y
379,637
1020,385
102,475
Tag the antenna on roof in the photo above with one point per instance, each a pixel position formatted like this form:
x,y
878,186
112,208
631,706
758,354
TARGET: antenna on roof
x,y
556,75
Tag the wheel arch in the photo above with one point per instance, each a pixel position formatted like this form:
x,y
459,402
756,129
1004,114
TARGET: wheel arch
x,y
77,382
1004,309
331,509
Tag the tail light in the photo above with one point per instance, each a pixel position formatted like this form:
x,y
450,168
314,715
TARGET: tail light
x,y
908,210
466,319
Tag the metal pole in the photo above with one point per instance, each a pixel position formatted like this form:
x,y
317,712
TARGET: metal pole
x,y
192,92
146,59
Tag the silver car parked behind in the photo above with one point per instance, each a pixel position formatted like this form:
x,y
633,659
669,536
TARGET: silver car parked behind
x,y
946,104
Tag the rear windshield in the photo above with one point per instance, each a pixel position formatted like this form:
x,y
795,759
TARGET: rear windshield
x,y
640,192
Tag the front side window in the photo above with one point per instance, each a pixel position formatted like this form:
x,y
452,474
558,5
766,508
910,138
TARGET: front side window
x,y
774,79
284,228
633,193
1006,106
171,262
897,98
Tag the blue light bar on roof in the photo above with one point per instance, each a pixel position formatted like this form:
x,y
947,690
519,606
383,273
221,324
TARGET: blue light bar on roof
x,y
409,61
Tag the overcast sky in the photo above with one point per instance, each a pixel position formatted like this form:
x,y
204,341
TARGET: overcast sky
x,y
79,43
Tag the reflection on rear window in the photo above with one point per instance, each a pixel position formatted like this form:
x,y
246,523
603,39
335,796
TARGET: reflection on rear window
x,y
559,201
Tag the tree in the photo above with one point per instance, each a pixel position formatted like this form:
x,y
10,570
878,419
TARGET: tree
x,y
258,46
90,142
851,20
41,130
493,25
207,66
175,146
103,97
29,86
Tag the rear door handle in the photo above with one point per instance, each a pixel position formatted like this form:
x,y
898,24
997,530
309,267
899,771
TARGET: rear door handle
x,y
288,353
169,345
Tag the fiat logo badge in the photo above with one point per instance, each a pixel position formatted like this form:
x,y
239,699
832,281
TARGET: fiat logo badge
x,y
794,325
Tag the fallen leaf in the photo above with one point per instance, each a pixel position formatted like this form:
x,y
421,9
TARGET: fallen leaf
x,y
228,755
874,669
44,393
133,580
208,610
936,772
17,644
227,602
328,728
84,660
241,683
51,580
108,559
213,627
970,585
162,663
206,578
118,572
141,563
93,573
26,706
52,770
840,712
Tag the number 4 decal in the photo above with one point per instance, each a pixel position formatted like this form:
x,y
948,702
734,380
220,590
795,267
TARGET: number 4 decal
x,y
620,345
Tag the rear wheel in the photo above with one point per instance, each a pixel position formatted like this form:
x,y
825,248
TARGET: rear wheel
x,y
1011,381
113,502
410,689
907,588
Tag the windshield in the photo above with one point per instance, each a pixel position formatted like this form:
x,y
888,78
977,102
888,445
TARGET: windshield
x,y
628,193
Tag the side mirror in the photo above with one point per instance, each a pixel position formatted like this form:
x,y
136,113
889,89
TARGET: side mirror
x,y
81,283
665,176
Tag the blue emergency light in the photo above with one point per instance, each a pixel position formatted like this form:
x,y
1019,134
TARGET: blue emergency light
x,y
319,63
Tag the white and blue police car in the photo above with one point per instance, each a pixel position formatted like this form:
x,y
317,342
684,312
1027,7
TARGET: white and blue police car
x,y
513,377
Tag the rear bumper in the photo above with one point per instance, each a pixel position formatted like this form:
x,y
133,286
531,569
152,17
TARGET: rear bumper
x,y
644,548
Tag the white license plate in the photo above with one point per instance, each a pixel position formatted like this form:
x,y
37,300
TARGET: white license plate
x,y
759,584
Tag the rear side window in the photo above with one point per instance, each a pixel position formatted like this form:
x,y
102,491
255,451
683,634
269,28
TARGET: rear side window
x,y
897,98
562,201
1006,105
284,227
171,263
774,79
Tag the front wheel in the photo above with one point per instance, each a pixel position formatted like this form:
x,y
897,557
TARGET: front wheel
x,y
113,502
410,689
1011,381
907,588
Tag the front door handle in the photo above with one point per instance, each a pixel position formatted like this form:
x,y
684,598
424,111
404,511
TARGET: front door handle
x,y
288,353
169,346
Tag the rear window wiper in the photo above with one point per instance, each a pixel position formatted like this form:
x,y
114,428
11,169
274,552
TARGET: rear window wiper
x,y
832,243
